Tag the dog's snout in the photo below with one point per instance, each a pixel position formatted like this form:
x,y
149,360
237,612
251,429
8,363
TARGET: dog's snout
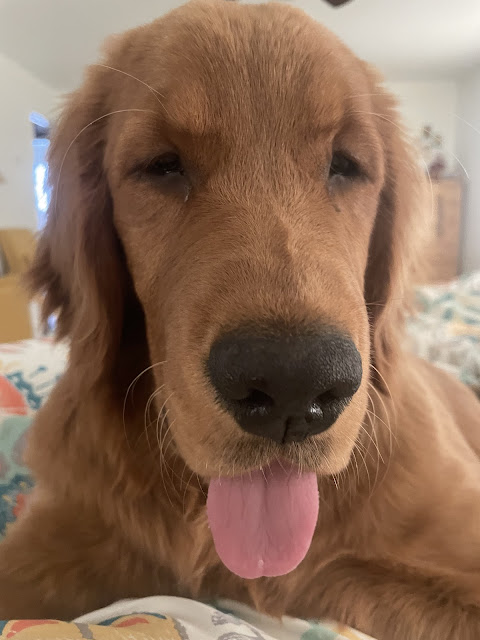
x,y
285,388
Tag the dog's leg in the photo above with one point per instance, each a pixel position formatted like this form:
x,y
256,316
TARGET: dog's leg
x,y
392,603
62,562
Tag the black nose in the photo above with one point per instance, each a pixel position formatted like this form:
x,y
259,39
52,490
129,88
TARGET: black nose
x,y
288,388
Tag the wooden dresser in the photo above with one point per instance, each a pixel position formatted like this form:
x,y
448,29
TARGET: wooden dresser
x,y
447,201
17,246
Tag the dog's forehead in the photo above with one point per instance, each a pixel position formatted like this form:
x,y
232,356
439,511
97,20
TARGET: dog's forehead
x,y
242,63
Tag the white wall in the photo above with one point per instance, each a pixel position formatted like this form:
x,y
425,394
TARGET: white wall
x,y
468,149
21,94
430,103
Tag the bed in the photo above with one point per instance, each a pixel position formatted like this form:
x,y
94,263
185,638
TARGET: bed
x,y
445,330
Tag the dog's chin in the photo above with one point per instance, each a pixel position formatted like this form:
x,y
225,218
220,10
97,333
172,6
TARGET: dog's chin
x,y
318,454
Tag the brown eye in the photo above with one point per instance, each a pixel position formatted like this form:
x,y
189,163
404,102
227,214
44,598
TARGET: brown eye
x,y
164,165
343,166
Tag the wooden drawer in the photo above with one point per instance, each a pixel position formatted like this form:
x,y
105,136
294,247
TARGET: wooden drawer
x,y
447,202
15,322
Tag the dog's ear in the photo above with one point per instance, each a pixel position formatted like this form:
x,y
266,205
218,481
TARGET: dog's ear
x,y
79,269
398,243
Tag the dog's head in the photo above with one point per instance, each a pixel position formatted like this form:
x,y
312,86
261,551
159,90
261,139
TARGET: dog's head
x,y
232,186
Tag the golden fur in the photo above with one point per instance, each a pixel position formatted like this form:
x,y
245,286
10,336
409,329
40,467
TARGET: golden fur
x,y
146,272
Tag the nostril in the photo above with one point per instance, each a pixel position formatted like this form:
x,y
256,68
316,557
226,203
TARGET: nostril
x,y
341,391
314,412
256,402
326,398
328,402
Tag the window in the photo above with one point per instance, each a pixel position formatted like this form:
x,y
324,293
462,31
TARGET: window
x,y
41,142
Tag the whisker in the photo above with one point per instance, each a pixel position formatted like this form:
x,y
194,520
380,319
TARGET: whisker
x,y
131,386
364,460
163,413
332,475
281,466
384,304
105,115
384,117
356,474
387,388
469,124
164,446
374,440
400,128
200,486
366,95
357,447
187,486
185,467
155,93
376,417
387,415
146,415
372,417
392,436
157,436
162,475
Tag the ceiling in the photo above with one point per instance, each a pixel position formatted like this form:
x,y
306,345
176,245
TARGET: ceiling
x,y
54,39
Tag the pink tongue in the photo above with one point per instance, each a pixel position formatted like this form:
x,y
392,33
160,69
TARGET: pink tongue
x,y
263,522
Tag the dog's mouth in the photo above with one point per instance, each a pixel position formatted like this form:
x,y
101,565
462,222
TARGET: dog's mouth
x,y
263,497
277,410
263,521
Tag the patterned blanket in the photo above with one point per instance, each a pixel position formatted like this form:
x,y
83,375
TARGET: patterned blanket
x,y
28,372
167,618
446,330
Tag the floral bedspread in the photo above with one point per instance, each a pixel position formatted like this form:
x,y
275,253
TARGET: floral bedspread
x,y
446,330
168,618
28,372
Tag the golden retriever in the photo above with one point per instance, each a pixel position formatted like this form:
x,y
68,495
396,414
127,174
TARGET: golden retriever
x,y
235,221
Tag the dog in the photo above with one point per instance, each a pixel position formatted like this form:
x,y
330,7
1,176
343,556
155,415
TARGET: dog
x,y
236,221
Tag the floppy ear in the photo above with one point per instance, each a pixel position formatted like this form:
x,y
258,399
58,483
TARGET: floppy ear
x,y
79,267
397,245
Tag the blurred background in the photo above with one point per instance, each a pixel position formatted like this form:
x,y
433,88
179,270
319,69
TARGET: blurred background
x,y
428,50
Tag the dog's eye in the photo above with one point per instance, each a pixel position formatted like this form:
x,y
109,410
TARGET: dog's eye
x,y
343,166
164,165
